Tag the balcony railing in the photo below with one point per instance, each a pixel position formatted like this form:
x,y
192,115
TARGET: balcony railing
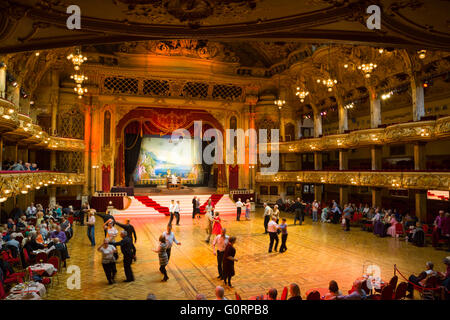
x,y
15,183
398,133
423,180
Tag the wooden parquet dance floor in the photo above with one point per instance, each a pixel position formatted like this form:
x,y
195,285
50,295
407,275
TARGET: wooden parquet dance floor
x,y
317,253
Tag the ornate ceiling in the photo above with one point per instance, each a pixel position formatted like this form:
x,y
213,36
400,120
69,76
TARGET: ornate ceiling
x,y
39,24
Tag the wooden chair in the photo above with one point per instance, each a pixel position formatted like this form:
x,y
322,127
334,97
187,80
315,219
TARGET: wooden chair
x,y
314,295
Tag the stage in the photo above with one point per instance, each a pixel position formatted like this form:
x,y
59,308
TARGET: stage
x,y
317,253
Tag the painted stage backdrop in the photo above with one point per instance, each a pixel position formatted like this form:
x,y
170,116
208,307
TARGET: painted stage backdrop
x,y
161,157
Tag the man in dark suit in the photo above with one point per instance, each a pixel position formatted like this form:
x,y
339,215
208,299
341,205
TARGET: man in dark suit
x,y
128,251
128,228
194,206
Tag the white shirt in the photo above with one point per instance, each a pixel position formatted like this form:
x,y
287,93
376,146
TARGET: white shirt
x,y
112,233
91,220
267,211
107,253
272,226
170,239
239,204
172,208
220,242
177,208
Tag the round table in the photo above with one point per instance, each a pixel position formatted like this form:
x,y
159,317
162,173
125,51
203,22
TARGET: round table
x,y
24,296
31,286
40,268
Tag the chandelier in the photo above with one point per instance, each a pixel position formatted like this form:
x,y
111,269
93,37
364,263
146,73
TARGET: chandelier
x,y
279,103
301,94
80,91
329,83
367,68
77,59
349,106
79,78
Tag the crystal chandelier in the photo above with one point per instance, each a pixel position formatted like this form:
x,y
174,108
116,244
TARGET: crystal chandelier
x,y
279,103
80,91
329,83
301,94
349,106
367,68
78,78
77,59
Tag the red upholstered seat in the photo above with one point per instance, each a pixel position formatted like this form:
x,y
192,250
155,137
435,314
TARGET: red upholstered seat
x,y
284,294
314,295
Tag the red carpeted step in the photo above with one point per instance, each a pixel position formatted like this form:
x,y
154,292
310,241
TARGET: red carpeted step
x,y
215,198
152,204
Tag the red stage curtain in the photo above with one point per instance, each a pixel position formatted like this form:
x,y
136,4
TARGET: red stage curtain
x,y
106,172
157,121
233,177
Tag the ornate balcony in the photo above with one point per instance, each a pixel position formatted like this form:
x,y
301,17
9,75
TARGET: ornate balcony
x,y
16,183
398,133
398,180
20,128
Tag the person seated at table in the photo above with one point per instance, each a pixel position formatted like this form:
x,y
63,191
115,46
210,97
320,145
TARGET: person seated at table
x,y
357,294
31,210
13,242
21,224
417,235
31,245
59,234
333,291
61,248
421,278
39,238
294,292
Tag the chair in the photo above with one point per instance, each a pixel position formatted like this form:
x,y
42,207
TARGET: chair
x,y
238,297
284,294
26,258
386,294
400,292
427,290
41,257
399,229
393,282
314,295
16,277
2,291
57,264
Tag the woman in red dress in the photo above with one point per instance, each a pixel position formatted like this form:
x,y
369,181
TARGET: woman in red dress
x,y
217,227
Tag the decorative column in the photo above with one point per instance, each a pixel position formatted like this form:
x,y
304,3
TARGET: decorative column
x,y
418,99
2,80
376,197
343,165
342,114
343,159
375,108
317,124
343,195
317,160
87,143
421,205
52,195
1,152
318,166
376,157
419,156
